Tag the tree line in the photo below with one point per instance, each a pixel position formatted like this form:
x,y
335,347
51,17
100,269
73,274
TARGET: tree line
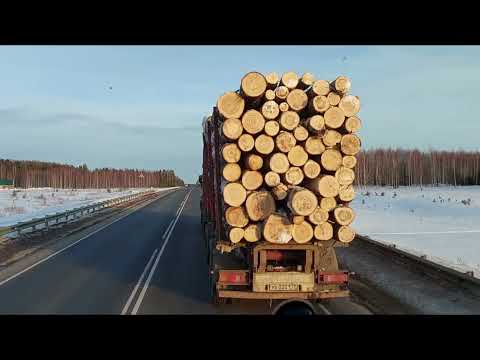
x,y
34,174
402,167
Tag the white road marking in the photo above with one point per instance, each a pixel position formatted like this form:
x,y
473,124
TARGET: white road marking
x,y
171,222
132,295
324,309
73,244
152,270
430,232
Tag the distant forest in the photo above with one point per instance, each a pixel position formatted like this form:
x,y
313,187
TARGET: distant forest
x,y
34,174
399,167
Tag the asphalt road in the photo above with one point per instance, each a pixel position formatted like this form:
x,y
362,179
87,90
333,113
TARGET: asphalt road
x,y
152,261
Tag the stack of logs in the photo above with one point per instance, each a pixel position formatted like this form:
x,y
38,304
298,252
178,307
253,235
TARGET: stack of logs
x,y
289,147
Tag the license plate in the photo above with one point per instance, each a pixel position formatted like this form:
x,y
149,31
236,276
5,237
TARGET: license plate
x,y
283,287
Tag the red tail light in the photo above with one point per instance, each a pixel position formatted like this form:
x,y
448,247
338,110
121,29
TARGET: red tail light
x,y
233,277
333,277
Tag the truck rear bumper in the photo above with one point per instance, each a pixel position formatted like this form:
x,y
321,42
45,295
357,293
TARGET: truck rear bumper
x,y
238,294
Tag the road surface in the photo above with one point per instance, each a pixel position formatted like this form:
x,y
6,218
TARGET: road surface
x,y
152,261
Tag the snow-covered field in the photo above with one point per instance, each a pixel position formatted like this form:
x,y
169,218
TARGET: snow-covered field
x,y
27,204
441,222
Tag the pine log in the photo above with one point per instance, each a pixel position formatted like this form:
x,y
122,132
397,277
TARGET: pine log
x,y
300,133
253,162
232,128
331,138
319,88
298,219
328,203
280,192
253,122
272,128
234,194
318,216
314,145
281,93
231,105
301,201
252,233
236,216
252,180
232,172
279,163
352,124
341,84
277,229
316,123
319,104
350,105
350,144
270,110
264,144
344,176
311,169
334,117
346,193
289,120
323,231
285,141
246,142
345,234
324,185
331,159
236,235
269,95
283,106
272,179
302,233
272,80
259,205
294,175
297,156
349,161
297,100
333,98
306,80
344,215
231,153
253,85
290,80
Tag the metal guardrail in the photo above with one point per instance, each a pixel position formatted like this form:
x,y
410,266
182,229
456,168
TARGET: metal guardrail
x,y
76,213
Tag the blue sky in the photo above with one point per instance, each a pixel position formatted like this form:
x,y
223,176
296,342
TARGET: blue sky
x,y
56,105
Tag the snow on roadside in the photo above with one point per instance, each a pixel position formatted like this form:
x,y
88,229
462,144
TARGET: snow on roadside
x,y
28,204
441,222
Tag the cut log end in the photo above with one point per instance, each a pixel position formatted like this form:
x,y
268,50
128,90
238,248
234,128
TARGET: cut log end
x,y
300,133
349,161
260,205
333,98
269,95
319,216
331,138
307,80
232,128
253,85
252,233
353,124
328,203
344,215
285,141
252,180
272,80
246,142
320,104
294,175
253,122
270,110
231,153
231,105
350,105
272,179
277,229
345,234
253,162
314,145
311,169
316,123
232,172
283,106
280,192
350,144
297,100
301,201
325,185
289,120
334,117
234,194
344,176
272,128
323,231
302,233
331,159
236,235
279,163
290,80
281,92
297,156
320,87
346,193
236,216
342,84
264,144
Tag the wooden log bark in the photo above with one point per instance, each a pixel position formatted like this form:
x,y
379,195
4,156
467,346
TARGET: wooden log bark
x,y
234,194
236,235
341,85
344,215
345,234
297,100
346,193
331,138
300,133
270,110
272,179
252,233
350,144
334,117
301,201
349,161
260,205
311,169
331,159
302,233
252,180
231,153
285,141
253,162
316,123
232,172
328,203
294,175
253,122
319,104
246,142
289,120
231,105
264,144
306,80
281,93
236,216
333,98
350,105
272,80
290,80
277,229
280,192
253,85
344,176
314,145
318,216
324,185
319,88
279,163
283,106
232,128
352,124
272,128
323,231
297,156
